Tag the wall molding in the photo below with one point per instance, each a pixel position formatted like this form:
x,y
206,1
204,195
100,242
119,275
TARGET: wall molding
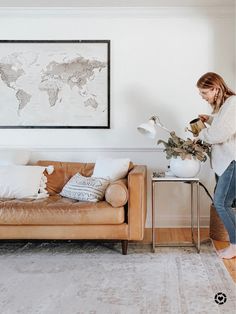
x,y
83,149
121,12
113,3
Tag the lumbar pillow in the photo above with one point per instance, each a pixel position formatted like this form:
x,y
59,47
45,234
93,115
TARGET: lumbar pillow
x,y
111,169
117,193
82,188
14,157
23,182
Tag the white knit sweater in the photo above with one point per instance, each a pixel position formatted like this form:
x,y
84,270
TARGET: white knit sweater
x,y
222,135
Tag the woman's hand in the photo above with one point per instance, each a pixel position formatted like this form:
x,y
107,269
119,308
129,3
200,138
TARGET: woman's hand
x,y
203,117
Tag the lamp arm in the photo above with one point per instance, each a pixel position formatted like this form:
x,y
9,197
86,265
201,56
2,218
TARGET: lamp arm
x,y
157,121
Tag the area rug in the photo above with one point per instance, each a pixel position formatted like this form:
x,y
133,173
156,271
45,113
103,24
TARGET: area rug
x,y
95,278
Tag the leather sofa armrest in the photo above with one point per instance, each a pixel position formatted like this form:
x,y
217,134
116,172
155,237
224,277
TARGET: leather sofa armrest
x,y
137,203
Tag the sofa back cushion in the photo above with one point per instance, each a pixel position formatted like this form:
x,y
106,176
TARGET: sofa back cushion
x,y
63,171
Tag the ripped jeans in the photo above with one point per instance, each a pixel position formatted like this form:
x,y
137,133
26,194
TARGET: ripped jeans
x,y
224,197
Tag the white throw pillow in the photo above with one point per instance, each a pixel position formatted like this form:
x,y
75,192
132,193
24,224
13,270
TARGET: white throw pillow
x,y
85,188
14,157
111,169
22,182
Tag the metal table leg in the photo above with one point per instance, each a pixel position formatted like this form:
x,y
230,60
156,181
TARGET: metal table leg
x,y
192,212
198,219
153,217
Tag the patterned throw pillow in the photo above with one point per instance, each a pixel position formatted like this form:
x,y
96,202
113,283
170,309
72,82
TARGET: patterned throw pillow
x,y
87,189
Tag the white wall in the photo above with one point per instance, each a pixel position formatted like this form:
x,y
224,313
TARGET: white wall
x,y
157,55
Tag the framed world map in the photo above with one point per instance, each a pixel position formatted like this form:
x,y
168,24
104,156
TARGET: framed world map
x,y
55,84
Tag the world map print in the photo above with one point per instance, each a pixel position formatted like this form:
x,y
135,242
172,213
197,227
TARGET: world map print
x,y
54,84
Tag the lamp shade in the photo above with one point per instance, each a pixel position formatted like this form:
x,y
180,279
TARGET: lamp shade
x,y
148,129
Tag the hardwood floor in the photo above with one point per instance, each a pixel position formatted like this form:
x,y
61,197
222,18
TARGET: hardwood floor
x,y
184,234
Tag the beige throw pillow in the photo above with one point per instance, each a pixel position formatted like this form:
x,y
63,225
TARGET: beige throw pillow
x,y
111,168
18,181
86,189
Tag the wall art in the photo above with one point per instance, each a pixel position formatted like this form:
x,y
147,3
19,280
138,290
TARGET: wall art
x,y
55,84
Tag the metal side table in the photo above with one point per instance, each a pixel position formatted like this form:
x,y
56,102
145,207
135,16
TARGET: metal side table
x,y
192,182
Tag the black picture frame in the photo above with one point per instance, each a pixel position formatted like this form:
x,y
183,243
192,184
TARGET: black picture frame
x,y
41,73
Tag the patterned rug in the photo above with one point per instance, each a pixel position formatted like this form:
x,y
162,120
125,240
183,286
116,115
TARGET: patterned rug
x,y
76,277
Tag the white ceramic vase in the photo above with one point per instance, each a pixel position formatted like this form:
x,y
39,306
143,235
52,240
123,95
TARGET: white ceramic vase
x,y
187,168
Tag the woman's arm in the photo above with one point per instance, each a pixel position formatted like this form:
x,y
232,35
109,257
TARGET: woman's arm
x,y
224,125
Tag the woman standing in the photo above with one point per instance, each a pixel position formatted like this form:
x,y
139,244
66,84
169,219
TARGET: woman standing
x,y
221,133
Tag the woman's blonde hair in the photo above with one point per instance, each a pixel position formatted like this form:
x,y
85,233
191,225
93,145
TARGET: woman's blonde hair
x,y
213,80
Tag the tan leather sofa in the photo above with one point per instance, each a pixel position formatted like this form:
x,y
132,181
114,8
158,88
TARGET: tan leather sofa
x,y
61,218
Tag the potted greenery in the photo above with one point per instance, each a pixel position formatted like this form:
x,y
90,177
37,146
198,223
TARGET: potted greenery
x,y
186,149
185,155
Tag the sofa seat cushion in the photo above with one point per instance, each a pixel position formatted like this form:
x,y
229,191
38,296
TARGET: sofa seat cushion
x,y
56,210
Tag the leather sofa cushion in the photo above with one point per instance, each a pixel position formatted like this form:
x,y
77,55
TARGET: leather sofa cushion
x,y
62,173
117,193
57,210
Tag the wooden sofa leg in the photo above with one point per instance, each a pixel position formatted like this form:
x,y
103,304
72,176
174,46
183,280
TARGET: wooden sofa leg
x,y
124,244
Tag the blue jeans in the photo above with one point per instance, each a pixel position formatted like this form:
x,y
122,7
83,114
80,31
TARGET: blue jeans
x,y
224,197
